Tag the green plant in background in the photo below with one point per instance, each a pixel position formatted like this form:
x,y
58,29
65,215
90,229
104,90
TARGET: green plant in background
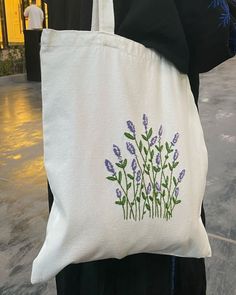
x,y
148,183
12,61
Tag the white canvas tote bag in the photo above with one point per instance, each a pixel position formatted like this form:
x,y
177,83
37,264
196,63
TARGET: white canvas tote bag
x,y
124,150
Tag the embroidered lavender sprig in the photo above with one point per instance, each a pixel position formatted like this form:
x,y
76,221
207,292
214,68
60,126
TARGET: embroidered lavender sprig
x,y
176,155
134,165
147,178
158,159
130,148
153,141
117,152
131,127
118,193
110,167
181,175
145,122
175,139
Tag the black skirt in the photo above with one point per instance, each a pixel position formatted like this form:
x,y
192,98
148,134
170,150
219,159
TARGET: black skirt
x,y
189,35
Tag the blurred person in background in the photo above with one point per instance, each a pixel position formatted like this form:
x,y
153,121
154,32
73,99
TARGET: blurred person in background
x,y
35,16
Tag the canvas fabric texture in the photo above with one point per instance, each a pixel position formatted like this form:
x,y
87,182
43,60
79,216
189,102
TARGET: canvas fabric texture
x,y
124,150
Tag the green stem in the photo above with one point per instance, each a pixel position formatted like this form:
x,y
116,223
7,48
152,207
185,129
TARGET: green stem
x,y
135,198
143,170
123,210
127,198
152,182
125,192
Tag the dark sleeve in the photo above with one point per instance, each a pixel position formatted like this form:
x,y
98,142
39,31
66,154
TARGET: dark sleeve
x,y
209,29
155,24
66,14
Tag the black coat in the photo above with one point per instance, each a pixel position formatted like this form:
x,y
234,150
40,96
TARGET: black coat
x,y
195,37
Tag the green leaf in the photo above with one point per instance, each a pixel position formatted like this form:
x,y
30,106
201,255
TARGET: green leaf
x,y
148,167
175,164
175,182
128,135
144,137
157,148
155,169
161,148
119,177
138,199
125,163
130,176
167,147
151,198
164,167
129,186
149,135
164,185
144,196
119,202
170,167
119,165
145,151
140,146
158,202
146,171
148,207
177,201
152,154
123,200
167,179
111,178
167,157
158,169
132,204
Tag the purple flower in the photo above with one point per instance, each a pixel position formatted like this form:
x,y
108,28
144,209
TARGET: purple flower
x,y
118,193
160,131
117,151
158,159
176,192
138,177
158,187
145,121
181,175
110,167
131,127
176,155
153,141
130,148
134,165
175,139
149,188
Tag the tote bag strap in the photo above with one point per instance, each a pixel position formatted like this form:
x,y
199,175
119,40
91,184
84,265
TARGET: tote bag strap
x,y
103,19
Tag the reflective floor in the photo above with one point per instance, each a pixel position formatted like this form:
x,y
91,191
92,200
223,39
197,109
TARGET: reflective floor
x,y
23,195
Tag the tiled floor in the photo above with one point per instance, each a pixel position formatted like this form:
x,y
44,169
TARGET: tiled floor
x,y
218,114
23,196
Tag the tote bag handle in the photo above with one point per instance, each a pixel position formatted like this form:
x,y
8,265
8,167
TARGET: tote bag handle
x,y
103,18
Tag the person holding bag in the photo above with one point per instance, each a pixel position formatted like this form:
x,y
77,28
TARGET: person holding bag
x,y
165,27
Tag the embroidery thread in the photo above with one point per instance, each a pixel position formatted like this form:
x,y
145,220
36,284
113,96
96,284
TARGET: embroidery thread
x,y
147,183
